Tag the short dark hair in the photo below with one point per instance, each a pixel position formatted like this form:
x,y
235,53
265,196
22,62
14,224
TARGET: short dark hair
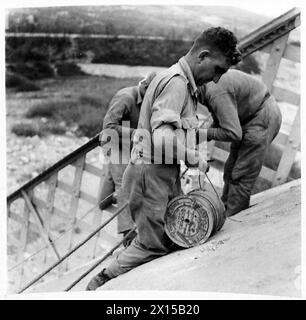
x,y
222,39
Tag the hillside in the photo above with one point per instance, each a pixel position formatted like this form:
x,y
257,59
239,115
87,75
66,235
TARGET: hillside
x,y
174,22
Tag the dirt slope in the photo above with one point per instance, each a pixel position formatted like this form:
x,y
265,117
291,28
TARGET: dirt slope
x,y
257,252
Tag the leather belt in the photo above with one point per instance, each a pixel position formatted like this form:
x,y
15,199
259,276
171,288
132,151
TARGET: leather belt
x,y
249,118
265,98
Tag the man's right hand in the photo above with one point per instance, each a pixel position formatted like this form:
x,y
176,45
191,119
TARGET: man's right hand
x,y
198,161
202,165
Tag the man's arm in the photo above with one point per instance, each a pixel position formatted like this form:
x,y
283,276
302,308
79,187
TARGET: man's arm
x,y
224,108
165,136
119,106
167,126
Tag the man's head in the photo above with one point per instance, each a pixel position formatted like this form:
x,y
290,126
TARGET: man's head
x,y
212,54
144,83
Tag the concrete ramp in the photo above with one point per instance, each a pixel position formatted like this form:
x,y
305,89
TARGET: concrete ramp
x,y
258,251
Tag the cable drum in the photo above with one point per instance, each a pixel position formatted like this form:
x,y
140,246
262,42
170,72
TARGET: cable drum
x,y
192,218
208,199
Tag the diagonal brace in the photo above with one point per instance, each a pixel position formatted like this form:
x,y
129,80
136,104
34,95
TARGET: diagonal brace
x,y
45,235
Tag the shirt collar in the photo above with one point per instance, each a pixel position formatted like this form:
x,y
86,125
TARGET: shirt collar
x,y
139,98
186,68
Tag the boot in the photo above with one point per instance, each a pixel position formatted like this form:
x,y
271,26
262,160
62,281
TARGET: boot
x,y
97,281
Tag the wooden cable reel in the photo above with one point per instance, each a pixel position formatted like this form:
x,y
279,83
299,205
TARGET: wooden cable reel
x,y
192,218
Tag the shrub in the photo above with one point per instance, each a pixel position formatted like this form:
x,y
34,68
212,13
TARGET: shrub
x,y
72,112
54,128
13,80
33,70
67,69
91,100
90,123
40,111
27,130
88,117
40,129
135,51
84,108
24,52
49,109
37,48
28,86
20,83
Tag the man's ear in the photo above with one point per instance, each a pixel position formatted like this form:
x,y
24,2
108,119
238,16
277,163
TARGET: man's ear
x,y
203,54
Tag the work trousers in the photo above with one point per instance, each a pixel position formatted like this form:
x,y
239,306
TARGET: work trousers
x,y
247,156
112,183
149,188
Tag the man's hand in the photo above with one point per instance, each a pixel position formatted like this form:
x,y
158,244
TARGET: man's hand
x,y
203,165
104,137
198,162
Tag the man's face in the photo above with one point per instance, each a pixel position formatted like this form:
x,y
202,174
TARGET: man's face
x,y
211,67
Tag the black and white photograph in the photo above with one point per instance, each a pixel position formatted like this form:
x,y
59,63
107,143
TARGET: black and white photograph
x,y
152,149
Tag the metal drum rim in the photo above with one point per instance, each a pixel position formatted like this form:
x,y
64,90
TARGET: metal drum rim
x,y
211,206
219,217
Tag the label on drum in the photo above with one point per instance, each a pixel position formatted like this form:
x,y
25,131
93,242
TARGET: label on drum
x,y
187,223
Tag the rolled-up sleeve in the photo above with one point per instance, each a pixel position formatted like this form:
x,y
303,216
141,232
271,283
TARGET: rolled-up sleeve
x,y
168,106
119,106
224,108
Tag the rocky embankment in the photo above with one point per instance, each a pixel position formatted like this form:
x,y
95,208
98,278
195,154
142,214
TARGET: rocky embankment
x,y
29,156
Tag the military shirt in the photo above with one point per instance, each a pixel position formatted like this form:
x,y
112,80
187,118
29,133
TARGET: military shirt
x,y
235,98
171,98
123,111
124,106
